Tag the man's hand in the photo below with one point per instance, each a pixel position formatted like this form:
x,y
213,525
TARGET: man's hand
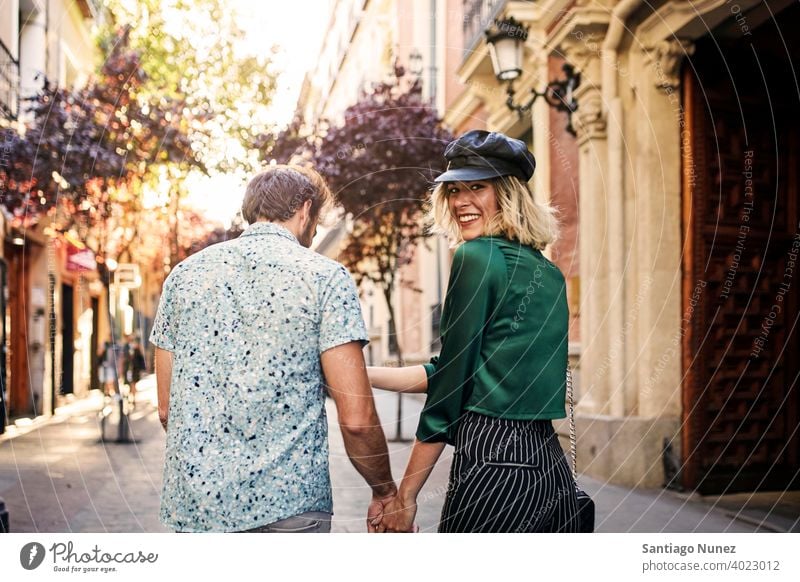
x,y
375,511
398,516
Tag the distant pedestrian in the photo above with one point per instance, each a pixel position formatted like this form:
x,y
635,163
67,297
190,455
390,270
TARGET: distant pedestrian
x,y
500,377
107,368
248,332
134,365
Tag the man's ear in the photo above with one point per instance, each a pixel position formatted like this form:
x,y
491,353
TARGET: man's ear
x,y
306,212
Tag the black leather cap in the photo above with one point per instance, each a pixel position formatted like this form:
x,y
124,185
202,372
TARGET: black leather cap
x,y
480,155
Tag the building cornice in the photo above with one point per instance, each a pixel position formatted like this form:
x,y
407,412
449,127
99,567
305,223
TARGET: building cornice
x,y
686,20
580,33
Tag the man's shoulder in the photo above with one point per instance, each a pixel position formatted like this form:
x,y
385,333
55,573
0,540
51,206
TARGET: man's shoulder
x,y
215,253
310,262
316,263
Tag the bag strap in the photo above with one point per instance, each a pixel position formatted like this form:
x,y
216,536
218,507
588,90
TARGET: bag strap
x,y
573,447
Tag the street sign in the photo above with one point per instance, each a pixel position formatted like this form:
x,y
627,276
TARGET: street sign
x,y
127,275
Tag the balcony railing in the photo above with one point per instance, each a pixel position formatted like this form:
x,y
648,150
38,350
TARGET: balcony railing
x,y
478,15
9,83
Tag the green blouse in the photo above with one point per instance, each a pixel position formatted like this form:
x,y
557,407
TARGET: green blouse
x,y
504,339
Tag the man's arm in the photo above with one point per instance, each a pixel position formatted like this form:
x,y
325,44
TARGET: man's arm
x,y
163,380
346,377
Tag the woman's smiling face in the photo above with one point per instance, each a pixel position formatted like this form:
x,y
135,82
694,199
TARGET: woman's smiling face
x,y
472,204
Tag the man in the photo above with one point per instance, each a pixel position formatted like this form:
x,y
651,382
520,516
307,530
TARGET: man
x,y
133,364
245,331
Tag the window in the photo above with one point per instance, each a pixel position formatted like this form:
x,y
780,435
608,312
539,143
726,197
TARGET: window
x,y
393,348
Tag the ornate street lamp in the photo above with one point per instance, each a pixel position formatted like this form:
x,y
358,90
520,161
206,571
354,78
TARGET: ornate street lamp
x,y
506,40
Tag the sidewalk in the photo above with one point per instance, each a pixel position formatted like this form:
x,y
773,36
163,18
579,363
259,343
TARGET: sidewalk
x,y
59,477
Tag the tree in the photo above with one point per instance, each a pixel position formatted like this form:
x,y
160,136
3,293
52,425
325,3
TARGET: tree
x,y
87,153
105,131
287,146
380,162
192,52
117,139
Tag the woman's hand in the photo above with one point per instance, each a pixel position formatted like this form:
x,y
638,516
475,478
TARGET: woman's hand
x,y
405,379
398,516
399,513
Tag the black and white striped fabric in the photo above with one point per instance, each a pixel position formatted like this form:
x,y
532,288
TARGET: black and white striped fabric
x,y
508,476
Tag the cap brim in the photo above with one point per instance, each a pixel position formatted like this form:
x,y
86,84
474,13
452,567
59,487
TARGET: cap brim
x,y
468,174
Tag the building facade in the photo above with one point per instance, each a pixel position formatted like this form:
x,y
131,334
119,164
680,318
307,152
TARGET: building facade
x,y
688,229
678,200
52,323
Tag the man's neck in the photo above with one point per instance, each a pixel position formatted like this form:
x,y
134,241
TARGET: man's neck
x,y
291,225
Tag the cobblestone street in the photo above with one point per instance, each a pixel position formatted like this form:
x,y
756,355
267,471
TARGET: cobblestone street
x,y
60,477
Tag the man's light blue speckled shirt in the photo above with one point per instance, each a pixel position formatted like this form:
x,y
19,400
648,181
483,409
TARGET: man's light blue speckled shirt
x,y
247,438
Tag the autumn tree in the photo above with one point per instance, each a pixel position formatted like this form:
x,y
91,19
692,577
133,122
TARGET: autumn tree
x,y
380,161
135,135
192,53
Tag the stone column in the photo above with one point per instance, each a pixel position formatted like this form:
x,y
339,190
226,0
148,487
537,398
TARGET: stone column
x,y
658,241
540,122
590,124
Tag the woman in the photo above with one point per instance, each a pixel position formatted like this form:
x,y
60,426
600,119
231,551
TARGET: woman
x,y
500,377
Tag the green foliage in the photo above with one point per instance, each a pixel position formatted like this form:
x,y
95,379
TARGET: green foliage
x,y
193,52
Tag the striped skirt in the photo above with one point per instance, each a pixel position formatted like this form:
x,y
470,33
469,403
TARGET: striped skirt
x,y
508,476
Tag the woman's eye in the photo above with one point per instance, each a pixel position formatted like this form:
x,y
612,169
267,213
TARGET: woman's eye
x,y
476,186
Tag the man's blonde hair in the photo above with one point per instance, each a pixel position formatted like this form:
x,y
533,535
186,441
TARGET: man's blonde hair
x,y
519,217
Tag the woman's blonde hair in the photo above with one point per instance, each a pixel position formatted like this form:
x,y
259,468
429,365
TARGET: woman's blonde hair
x,y
519,217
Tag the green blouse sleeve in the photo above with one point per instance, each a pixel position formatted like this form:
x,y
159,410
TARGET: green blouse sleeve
x,y
475,275
430,367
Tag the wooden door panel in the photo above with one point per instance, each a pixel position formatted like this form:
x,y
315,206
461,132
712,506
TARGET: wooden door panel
x,y
740,395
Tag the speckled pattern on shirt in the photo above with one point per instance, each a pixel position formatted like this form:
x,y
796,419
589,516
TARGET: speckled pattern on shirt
x,y
247,320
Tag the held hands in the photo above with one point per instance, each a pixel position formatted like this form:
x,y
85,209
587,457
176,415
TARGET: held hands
x,y
395,515
376,509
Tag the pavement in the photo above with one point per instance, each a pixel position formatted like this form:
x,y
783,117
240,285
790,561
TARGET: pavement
x,y
57,475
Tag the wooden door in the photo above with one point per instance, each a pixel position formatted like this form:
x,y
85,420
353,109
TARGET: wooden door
x,y
20,402
741,269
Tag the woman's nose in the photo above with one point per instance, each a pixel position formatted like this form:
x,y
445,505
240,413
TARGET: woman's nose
x,y
459,198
